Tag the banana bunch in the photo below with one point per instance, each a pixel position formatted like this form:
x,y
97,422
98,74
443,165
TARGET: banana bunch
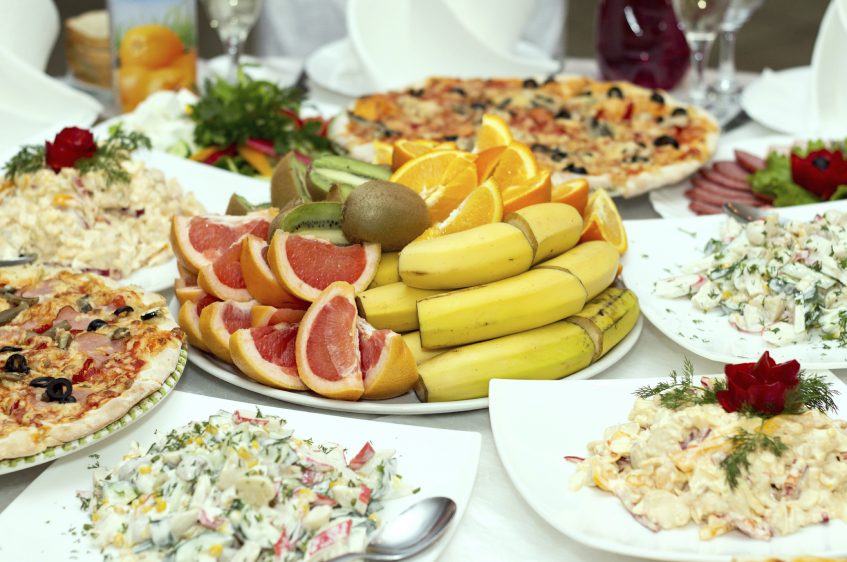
x,y
548,352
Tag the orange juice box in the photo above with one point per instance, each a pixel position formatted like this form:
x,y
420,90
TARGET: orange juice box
x,y
154,47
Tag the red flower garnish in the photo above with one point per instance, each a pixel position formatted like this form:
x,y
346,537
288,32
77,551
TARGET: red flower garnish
x,y
70,145
762,385
820,172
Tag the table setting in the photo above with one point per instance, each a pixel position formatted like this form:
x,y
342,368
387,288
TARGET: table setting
x,y
435,291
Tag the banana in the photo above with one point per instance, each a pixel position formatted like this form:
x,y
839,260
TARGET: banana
x,y
594,263
463,259
420,353
551,228
393,306
549,352
529,300
386,272
608,318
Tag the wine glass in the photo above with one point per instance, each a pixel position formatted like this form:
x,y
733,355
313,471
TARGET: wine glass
x,y
736,16
700,20
233,20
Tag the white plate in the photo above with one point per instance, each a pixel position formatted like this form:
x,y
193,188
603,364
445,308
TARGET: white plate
x,y
670,202
659,247
45,521
142,408
778,99
536,423
408,404
336,67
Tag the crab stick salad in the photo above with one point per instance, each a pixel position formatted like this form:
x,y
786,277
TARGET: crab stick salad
x,y
239,489
778,278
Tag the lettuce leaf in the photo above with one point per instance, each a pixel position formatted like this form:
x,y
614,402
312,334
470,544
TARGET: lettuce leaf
x,y
775,181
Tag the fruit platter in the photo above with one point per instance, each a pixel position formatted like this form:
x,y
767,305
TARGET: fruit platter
x,y
418,282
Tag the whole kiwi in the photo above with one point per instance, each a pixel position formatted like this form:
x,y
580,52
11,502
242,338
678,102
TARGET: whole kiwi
x,y
384,212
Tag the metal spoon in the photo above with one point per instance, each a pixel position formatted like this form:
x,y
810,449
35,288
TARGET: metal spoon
x,y
744,213
20,260
411,532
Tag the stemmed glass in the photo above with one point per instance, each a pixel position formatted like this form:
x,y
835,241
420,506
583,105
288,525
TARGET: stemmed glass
x,y
233,20
736,16
701,20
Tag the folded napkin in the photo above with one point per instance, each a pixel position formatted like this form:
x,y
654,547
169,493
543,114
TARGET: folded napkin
x,y
828,89
29,29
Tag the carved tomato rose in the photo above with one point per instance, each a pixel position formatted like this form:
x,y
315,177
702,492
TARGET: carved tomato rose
x,y
821,172
761,386
70,145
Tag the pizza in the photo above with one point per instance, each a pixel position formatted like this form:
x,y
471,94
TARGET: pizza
x,y
619,136
76,353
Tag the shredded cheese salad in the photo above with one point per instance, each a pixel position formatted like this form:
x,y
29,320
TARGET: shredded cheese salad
x,y
782,279
239,489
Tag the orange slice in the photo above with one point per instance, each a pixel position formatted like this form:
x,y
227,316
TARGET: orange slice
x,y
493,131
306,265
484,205
266,354
219,320
263,315
259,278
327,346
405,150
443,178
573,193
388,366
189,320
515,165
383,152
487,160
530,192
603,221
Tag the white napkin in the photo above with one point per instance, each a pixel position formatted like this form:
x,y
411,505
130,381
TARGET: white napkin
x,y
828,88
404,41
29,29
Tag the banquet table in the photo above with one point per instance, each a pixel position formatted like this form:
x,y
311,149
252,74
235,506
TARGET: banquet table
x,y
498,524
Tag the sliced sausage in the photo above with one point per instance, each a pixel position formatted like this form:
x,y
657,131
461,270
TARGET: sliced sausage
x,y
731,169
702,208
749,162
728,193
706,196
724,180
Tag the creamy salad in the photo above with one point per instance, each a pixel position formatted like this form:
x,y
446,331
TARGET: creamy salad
x,y
81,221
239,489
164,118
782,279
665,467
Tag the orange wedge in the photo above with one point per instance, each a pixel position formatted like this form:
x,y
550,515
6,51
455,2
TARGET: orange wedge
x,y
515,165
535,190
603,222
443,178
383,152
405,150
493,131
486,160
484,205
573,193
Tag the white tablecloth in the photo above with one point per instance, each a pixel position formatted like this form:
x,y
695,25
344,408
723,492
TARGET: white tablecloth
x,y
499,524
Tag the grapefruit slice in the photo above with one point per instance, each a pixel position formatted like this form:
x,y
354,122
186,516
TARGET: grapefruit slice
x,y
266,354
219,320
185,292
263,315
189,320
223,277
259,278
306,265
198,241
185,274
388,366
327,347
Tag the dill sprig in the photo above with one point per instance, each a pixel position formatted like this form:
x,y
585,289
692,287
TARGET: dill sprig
x,y
813,392
744,443
681,391
111,154
28,160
